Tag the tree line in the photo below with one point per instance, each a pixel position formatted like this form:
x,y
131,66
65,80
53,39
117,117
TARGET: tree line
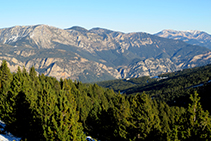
x,y
38,107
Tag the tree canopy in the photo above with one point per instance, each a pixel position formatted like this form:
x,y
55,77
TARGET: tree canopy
x,y
37,107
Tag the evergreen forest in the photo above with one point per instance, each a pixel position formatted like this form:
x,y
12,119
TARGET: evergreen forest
x,y
39,107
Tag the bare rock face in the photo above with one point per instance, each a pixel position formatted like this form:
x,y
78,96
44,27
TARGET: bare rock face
x,y
97,54
25,53
59,67
148,67
44,36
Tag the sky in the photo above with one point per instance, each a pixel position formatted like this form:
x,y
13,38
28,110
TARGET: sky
x,y
149,16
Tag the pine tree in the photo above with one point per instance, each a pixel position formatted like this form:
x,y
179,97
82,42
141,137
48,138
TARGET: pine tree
x,y
24,72
44,110
67,106
145,118
5,80
65,124
198,125
14,90
120,116
58,116
164,116
32,73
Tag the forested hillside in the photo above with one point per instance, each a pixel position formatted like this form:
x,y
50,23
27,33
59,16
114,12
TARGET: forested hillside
x,y
38,107
173,88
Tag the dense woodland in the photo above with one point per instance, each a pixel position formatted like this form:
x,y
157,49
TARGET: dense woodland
x,y
37,107
173,88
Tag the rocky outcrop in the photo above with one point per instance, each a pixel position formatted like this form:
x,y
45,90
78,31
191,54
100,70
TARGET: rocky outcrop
x,y
148,67
59,67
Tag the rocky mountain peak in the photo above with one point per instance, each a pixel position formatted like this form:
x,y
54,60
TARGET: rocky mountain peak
x,y
168,33
98,30
194,37
78,28
193,31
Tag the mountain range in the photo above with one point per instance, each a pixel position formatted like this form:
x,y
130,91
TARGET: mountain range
x,y
194,37
97,54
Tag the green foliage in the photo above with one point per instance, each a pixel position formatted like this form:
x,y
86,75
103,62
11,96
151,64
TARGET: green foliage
x,y
36,108
43,108
6,107
125,85
145,117
173,88
32,73
196,122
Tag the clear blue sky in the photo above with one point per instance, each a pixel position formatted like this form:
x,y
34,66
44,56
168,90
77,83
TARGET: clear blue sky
x,y
149,16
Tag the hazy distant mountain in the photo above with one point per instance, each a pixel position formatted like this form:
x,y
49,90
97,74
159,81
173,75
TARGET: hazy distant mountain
x,y
194,37
96,54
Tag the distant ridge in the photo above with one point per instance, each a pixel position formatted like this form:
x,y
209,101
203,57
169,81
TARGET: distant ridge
x,y
194,37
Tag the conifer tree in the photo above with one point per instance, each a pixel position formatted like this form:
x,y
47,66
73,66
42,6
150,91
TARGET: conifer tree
x,y
14,90
164,116
44,110
65,119
24,71
5,80
26,106
63,123
145,118
197,124
121,115
32,73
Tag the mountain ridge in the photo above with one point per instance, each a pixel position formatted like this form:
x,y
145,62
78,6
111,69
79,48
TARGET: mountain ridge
x,y
96,54
195,37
